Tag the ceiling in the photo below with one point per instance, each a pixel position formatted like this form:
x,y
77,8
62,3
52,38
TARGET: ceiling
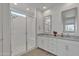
x,y
32,6
39,6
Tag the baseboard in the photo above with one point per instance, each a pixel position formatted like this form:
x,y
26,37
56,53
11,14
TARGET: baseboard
x,y
32,49
22,52
47,51
19,54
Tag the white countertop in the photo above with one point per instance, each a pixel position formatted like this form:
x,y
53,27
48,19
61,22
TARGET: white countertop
x,y
71,38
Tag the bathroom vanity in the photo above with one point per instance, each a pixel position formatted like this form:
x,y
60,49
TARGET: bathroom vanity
x,y
61,46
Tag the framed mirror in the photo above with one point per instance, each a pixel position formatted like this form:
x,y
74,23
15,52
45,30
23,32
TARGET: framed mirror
x,y
47,24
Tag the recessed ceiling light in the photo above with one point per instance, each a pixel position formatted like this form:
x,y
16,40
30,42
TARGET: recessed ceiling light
x,y
15,4
44,7
27,9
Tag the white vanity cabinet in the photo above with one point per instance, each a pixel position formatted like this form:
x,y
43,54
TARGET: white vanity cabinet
x,y
47,43
67,48
57,46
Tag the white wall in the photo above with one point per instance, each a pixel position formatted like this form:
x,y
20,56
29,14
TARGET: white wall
x,y
57,24
6,29
39,22
1,30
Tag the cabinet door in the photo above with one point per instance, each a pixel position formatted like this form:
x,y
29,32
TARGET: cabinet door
x,y
52,45
61,51
46,43
43,43
73,50
40,42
